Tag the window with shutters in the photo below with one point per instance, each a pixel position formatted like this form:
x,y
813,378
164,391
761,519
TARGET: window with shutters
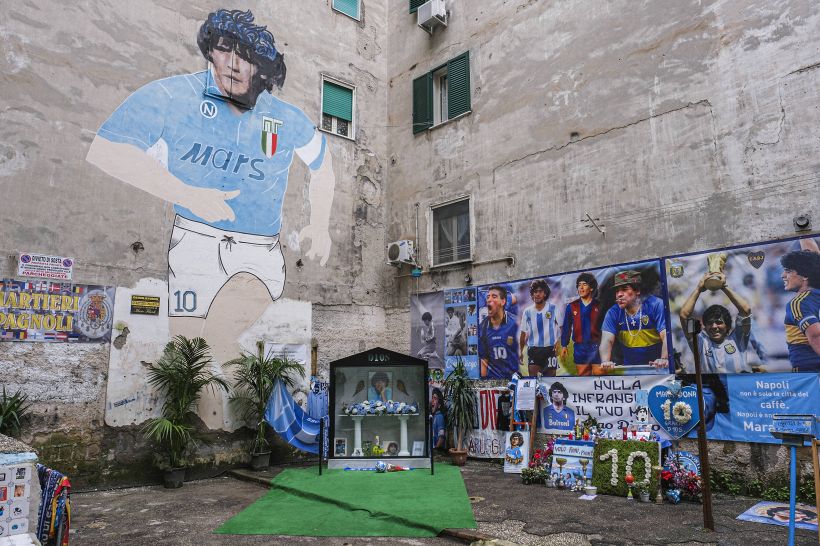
x,y
351,8
442,94
414,5
451,232
337,108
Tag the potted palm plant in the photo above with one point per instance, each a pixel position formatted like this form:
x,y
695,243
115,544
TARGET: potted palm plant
x,y
255,375
181,374
12,411
461,408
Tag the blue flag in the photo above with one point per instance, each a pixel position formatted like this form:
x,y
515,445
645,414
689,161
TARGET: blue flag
x,y
289,420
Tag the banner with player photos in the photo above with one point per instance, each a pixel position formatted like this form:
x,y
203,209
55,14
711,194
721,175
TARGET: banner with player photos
x,y
461,329
755,316
609,320
55,312
427,328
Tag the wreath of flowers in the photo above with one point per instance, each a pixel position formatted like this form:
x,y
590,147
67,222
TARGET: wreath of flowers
x,y
647,466
377,407
612,454
682,412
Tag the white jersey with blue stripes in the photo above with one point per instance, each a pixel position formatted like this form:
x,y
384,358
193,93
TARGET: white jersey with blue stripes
x,y
541,326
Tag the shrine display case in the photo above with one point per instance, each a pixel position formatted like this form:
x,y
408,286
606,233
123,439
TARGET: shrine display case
x,y
379,407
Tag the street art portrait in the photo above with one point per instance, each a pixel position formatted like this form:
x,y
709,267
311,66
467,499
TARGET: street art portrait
x,y
758,307
218,144
428,326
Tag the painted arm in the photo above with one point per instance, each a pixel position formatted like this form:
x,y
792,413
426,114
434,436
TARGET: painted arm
x,y
813,335
322,184
663,361
522,342
744,310
688,307
135,167
809,244
607,341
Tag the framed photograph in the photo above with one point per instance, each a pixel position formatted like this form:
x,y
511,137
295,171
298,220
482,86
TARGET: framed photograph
x,y
391,448
340,447
379,386
418,448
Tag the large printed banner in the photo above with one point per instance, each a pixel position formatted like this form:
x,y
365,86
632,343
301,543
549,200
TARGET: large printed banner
x,y
740,407
487,440
427,328
609,399
609,320
758,306
55,312
461,329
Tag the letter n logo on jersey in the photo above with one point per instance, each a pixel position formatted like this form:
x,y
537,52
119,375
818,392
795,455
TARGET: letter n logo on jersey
x,y
270,135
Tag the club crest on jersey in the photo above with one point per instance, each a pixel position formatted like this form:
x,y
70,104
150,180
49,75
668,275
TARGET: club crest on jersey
x,y
270,135
730,349
676,270
509,340
548,315
645,320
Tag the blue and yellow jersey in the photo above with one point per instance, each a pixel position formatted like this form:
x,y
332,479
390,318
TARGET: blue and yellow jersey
x,y
801,313
639,334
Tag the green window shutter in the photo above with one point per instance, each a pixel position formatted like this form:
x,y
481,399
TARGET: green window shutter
x,y
348,7
414,5
423,102
458,85
337,101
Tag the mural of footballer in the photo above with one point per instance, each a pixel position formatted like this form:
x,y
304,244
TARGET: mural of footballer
x,y
497,337
639,324
223,163
801,274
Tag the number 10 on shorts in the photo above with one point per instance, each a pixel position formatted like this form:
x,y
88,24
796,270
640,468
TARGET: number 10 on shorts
x,y
186,301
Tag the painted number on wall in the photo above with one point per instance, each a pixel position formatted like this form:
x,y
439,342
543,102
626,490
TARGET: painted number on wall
x,y
186,301
499,353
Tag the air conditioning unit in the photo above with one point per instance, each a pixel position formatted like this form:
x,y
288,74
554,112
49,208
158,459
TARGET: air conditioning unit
x,y
432,14
401,252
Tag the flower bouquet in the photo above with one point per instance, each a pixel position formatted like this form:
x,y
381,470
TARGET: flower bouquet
x,y
377,407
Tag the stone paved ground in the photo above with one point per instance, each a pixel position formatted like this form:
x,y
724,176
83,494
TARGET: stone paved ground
x,y
504,509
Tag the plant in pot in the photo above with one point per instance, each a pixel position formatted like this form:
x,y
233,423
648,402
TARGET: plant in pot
x,y
255,375
461,408
12,411
181,374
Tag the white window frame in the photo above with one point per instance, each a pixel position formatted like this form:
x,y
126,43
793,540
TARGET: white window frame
x,y
359,11
352,132
440,111
431,232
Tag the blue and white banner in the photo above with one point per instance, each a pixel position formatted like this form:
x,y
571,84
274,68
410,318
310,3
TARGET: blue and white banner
x,y
745,415
291,423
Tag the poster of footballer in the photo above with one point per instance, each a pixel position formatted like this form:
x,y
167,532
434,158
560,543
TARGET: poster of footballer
x,y
427,328
461,330
758,307
605,321
55,312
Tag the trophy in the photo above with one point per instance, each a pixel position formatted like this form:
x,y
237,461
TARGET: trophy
x,y
716,263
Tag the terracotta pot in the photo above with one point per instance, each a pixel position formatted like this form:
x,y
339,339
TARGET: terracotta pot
x,y
459,458
174,478
260,461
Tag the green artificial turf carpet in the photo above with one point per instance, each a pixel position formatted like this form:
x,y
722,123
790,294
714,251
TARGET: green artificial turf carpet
x,y
358,503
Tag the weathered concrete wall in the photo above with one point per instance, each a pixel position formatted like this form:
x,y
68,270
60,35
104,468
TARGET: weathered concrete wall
x,y
66,69
681,125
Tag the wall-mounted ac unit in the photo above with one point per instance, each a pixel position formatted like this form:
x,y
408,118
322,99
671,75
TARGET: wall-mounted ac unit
x,y
401,252
431,14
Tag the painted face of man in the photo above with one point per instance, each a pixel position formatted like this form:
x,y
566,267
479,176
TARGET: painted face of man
x,y
626,296
716,329
557,396
792,281
233,69
495,303
538,296
584,290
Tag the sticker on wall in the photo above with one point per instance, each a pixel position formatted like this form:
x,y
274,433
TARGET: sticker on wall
x,y
55,268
